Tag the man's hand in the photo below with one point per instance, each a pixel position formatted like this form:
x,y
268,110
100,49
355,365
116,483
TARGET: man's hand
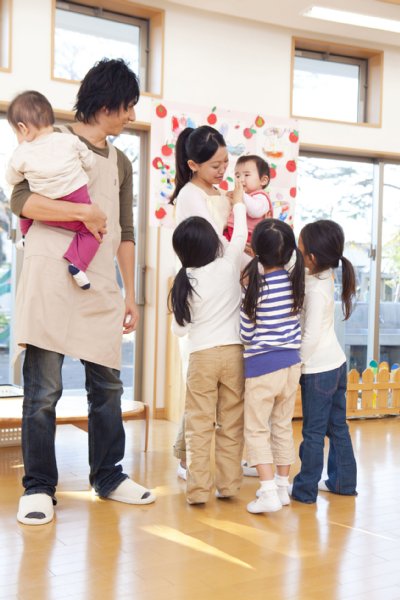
x,y
131,317
95,221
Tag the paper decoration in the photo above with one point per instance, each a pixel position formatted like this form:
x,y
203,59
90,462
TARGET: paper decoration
x,y
275,139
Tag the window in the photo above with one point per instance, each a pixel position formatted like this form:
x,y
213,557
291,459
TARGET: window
x,y
336,83
5,35
84,35
329,87
362,196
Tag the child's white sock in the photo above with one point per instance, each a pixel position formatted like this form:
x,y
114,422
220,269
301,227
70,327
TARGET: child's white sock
x,y
20,245
79,276
282,483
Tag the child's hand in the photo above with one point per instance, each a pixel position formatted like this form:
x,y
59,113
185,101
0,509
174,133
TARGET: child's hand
x,y
237,194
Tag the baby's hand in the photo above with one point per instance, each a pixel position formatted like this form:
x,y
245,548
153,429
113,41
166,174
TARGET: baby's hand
x,y
237,194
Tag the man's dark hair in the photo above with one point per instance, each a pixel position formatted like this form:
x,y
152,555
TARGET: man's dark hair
x,y
110,84
30,108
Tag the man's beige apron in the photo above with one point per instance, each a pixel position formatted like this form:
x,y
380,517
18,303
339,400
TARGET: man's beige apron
x,y
52,312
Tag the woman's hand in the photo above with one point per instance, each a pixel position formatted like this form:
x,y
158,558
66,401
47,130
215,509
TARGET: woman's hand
x,y
237,195
95,221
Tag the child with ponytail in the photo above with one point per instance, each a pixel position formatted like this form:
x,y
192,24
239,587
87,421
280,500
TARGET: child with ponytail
x,y
270,331
205,300
323,380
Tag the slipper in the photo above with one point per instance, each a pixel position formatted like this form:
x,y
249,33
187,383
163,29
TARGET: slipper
x,y
131,492
35,509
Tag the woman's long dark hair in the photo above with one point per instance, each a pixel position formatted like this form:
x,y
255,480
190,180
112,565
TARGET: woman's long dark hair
x,y
199,145
196,244
324,240
273,244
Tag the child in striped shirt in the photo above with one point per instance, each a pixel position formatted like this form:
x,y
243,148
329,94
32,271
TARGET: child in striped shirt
x,y
270,331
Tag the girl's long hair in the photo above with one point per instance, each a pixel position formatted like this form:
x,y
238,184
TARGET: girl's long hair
x,y
199,145
324,240
273,244
196,244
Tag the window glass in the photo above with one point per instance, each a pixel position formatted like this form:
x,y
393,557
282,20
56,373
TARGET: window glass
x,y
82,39
389,309
341,190
7,143
327,89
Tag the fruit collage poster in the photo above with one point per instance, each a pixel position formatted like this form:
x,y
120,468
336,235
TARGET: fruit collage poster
x,y
276,140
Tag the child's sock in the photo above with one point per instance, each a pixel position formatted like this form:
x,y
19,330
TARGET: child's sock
x,y
79,276
282,483
20,245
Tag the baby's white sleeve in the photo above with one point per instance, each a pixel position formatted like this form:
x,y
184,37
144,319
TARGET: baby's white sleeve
x,y
13,174
86,156
256,206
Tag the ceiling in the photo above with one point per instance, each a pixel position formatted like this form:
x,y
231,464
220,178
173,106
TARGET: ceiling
x,y
287,13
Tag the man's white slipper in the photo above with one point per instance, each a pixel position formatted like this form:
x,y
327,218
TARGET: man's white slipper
x,y
131,492
35,509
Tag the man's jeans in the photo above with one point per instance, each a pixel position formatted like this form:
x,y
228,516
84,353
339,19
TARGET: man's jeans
x,y
323,398
42,390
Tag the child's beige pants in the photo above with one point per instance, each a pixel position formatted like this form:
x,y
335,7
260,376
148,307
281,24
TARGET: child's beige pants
x,y
268,412
214,403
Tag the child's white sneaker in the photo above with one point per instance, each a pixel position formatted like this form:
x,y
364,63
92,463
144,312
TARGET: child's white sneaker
x,y
248,471
284,494
267,501
322,486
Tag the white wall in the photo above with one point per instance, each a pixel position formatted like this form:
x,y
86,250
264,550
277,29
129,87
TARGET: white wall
x,y
209,60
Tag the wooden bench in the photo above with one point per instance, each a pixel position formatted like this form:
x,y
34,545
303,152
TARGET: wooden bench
x,y
72,410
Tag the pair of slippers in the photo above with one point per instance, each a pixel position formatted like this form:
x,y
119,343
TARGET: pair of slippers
x,y
37,509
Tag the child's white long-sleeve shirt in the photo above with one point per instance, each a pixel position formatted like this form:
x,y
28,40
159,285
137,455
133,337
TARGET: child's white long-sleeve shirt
x,y
215,304
320,349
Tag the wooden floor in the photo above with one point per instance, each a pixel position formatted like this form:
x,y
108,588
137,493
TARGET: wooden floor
x,y
340,548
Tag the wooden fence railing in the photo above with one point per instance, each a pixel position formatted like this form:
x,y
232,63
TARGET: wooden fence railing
x,y
373,393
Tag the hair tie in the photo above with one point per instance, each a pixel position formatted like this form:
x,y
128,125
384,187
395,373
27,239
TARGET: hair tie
x,y
257,256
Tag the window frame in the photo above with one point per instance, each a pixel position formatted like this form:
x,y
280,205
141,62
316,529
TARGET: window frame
x,y
6,29
91,11
370,61
151,51
361,63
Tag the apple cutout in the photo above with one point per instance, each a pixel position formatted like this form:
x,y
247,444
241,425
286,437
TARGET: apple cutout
x,y
166,150
224,185
291,166
161,111
160,213
272,171
157,163
293,192
248,132
294,136
212,117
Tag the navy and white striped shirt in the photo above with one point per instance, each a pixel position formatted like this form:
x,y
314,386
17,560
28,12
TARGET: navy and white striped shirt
x,y
273,341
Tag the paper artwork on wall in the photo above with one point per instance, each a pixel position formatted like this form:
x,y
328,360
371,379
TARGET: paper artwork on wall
x,y
275,139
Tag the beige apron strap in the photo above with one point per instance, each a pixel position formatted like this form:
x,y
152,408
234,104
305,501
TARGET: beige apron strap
x,y
64,129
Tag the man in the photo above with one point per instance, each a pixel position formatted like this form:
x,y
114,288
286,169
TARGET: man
x,y
55,317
